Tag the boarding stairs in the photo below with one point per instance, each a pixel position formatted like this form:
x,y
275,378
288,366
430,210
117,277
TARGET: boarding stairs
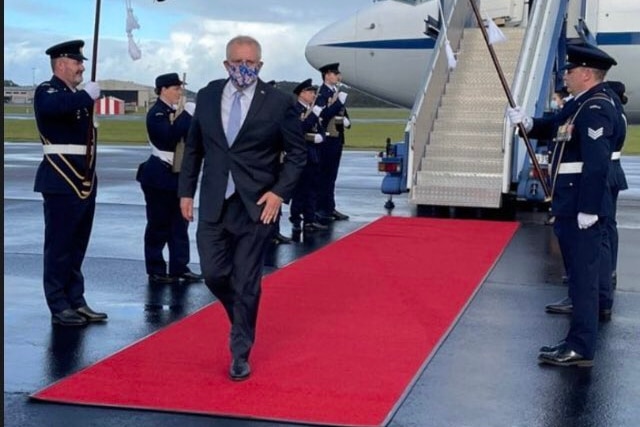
x,y
463,162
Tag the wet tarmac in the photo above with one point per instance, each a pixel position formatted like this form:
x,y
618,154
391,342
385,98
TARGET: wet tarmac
x,y
484,374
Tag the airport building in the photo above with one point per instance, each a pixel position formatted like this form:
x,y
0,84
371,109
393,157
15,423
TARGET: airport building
x,y
134,97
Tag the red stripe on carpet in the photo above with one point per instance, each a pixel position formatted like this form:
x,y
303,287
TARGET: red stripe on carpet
x,y
342,333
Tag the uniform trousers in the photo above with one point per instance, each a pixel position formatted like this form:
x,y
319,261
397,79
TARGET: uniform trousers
x,y
605,288
587,258
612,229
232,253
305,196
67,228
330,156
165,227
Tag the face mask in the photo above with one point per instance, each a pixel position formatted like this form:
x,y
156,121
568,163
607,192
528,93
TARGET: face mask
x,y
242,75
554,105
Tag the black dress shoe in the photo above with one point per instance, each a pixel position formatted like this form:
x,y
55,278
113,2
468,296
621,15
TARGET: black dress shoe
x,y
280,239
565,280
68,317
339,216
313,226
240,370
91,316
190,277
565,357
564,306
162,279
553,348
324,217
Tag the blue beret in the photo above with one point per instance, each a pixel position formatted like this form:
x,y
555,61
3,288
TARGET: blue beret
x,y
71,49
167,80
305,85
588,56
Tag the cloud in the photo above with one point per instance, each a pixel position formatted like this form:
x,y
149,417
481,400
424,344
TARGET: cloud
x,y
185,36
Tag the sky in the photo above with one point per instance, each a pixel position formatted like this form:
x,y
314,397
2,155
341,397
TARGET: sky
x,y
183,36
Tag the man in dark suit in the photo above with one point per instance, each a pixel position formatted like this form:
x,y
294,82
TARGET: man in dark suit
x,y
67,180
167,125
240,128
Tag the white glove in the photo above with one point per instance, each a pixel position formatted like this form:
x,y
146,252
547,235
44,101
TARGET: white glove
x,y
190,107
93,89
342,96
586,220
346,122
317,138
516,115
317,110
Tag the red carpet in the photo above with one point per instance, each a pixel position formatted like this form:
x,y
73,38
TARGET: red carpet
x,y
342,333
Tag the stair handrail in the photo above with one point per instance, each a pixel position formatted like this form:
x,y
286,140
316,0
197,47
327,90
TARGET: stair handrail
x,y
423,114
532,78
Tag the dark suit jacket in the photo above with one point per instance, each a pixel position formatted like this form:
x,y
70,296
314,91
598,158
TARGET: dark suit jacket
x,y
271,127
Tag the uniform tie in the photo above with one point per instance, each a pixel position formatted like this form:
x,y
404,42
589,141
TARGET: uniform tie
x,y
233,126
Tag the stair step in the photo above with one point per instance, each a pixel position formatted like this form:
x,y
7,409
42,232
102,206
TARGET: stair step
x,y
462,165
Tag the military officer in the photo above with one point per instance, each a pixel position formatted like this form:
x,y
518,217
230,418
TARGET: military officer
x,y
303,202
617,182
335,120
581,200
158,177
67,179
617,178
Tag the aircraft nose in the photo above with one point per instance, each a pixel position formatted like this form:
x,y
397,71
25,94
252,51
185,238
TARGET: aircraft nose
x,y
333,44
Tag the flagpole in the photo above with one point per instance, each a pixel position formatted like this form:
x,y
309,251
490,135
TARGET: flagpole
x,y
507,91
96,29
87,182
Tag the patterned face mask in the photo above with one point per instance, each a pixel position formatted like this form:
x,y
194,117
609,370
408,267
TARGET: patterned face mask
x,y
243,75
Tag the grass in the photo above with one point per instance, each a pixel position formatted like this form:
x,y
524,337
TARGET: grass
x,y
361,136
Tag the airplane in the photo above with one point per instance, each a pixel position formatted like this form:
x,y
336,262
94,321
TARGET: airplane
x,y
391,49
383,50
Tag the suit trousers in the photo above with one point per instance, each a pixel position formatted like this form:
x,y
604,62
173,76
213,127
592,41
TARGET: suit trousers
x,y
67,228
232,253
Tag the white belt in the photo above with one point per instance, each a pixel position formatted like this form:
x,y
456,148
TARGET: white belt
x,y
165,156
570,167
615,155
64,149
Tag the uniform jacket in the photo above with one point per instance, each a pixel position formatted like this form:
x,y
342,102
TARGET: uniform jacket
x,y
164,134
595,132
63,116
331,108
617,178
310,126
271,127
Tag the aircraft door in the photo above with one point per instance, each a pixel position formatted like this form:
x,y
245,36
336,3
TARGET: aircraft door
x,y
513,11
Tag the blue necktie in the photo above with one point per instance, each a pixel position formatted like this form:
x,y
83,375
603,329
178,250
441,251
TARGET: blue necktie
x,y
233,127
